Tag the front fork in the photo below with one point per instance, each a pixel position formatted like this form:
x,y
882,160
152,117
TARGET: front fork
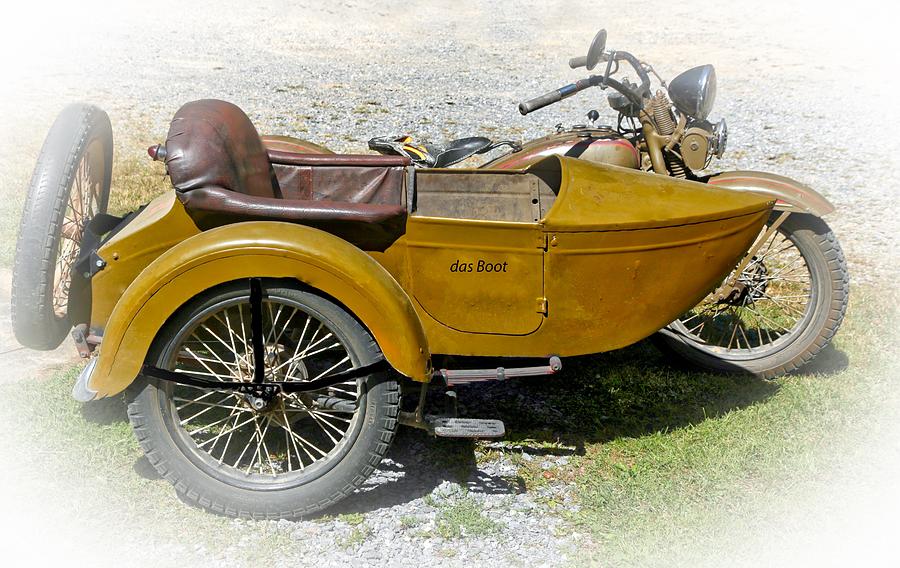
x,y
654,144
732,284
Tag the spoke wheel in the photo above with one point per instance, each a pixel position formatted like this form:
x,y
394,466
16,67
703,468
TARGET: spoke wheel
x,y
70,185
255,440
789,301
83,203
286,455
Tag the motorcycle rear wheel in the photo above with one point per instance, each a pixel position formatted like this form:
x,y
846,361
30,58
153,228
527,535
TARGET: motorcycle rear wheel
x,y
795,298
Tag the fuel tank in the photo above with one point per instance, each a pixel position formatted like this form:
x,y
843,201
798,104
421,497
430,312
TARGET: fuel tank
x,y
598,145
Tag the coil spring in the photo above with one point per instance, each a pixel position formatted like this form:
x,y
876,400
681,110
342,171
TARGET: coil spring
x,y
675,166
662,113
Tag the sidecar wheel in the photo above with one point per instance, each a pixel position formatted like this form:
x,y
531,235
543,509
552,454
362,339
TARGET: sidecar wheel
x,y
299,454
797,288
69,186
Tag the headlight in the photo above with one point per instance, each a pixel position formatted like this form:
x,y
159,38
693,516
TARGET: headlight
x,y
721,134
694,91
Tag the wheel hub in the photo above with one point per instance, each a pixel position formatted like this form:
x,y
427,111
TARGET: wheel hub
x,y
259,404
755,279
750,287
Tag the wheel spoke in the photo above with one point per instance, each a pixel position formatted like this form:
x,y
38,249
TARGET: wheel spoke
x,y
257,439
237,462
227,440
770,299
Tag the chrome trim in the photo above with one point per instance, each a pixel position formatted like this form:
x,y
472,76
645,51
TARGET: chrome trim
x,y
721,138
81,391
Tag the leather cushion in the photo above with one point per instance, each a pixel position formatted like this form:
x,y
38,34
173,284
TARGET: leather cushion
x,y
213,143
369,226
354,184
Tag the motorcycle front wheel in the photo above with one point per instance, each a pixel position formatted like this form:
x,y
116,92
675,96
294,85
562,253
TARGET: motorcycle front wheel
x,y
790,302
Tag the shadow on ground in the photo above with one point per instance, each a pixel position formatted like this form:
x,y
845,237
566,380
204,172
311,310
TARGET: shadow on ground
x,y
630,392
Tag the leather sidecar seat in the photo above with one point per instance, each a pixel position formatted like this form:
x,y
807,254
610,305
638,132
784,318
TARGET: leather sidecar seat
x,y
223,174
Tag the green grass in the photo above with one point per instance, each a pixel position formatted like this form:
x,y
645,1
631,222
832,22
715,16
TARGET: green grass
x,y
660,458
656,491
136,179
463,518
83,460
137,182
357,536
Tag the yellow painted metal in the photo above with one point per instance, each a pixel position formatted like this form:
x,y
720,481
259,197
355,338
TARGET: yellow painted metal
x,y
598,197
639,280
477,276
791,195
606,290
267,250
626,253
618,255
161,225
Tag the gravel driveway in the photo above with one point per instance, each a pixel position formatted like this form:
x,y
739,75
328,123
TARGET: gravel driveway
x,y
339,73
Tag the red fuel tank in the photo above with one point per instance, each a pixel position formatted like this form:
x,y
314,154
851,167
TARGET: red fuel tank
x,y
598,145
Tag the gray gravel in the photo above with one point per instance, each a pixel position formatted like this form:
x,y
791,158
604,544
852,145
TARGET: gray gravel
x,y
798,101
339,73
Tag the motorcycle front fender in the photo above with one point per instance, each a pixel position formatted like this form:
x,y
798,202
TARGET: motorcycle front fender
x,y
790,194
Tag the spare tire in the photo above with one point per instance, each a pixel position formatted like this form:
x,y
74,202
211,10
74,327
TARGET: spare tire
x,y
70,185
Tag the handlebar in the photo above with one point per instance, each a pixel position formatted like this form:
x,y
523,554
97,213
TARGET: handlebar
x,y
577,62
540,102
636,64
555,96
603,81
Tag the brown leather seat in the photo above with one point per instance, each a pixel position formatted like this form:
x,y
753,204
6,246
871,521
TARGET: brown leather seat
x,y
224,174
213,143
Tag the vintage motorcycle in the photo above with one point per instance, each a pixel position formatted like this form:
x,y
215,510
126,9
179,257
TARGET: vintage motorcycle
x,y
261,317
784,301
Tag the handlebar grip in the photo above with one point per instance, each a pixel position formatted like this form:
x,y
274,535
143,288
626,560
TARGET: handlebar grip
x,y
540,102
576,62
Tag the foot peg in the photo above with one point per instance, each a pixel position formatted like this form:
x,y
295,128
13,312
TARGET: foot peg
x,y
444,427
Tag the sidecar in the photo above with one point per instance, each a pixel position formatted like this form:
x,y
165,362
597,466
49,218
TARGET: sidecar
x,y
260,315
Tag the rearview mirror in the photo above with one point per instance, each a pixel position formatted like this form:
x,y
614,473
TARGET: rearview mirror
x,y
595,53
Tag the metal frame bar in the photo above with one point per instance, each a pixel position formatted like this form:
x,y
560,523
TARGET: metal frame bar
x,y
265,388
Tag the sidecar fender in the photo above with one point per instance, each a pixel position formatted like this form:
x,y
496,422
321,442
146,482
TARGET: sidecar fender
x,y
258,249
791,195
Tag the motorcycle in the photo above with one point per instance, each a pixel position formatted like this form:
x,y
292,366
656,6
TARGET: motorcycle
x,y
263,318
783,302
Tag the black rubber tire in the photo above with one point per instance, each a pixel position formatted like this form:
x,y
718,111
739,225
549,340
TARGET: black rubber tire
x,y
831,286
34,321
380,403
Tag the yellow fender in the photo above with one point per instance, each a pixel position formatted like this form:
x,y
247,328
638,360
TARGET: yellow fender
x,y
266,250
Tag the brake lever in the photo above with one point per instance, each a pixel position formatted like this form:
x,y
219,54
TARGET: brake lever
x,y
649,69
606,74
